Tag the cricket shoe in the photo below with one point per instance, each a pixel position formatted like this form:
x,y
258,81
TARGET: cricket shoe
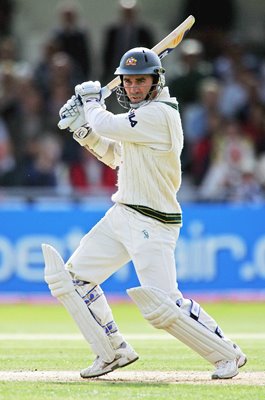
x,y
227,369
125,355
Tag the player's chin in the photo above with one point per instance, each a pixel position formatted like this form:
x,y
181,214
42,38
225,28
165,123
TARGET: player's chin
x,y
136,100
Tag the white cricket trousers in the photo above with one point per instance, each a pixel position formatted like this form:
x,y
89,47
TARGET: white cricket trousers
x,y
122,235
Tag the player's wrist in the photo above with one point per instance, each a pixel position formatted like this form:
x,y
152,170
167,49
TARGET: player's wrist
x,y
81,134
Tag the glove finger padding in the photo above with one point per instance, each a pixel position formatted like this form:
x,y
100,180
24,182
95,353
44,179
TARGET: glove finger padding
x,y
72,123
69,109
72,114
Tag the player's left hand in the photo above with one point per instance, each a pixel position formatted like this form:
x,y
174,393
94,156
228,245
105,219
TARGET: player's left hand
x,y
90,91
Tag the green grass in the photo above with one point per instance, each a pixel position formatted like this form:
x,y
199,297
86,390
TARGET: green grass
x,y
157,355
130,391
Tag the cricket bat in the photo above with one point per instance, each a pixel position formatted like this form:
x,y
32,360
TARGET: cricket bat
x,y
162,49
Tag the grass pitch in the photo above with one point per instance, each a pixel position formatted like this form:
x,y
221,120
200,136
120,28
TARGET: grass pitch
x,y
41,353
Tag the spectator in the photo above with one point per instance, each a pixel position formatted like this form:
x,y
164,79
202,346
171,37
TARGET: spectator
x,y
89,175
197,118
12,71
126,33
10,59
248,189
59,86
7,158
262,81
254,126
260,168
42,68
196,114
73,39
214,20
55,76
31,111
189,71
46,169
231,149
234,96
234,54
203,150
9,104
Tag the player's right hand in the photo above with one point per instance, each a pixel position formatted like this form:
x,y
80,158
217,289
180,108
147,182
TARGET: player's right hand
x,y
72,115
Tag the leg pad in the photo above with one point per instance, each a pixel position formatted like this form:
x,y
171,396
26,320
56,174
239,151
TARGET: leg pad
x,y
61,286
163,313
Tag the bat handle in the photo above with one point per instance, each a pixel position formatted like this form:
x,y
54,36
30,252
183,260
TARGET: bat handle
x,y
110,87
105,92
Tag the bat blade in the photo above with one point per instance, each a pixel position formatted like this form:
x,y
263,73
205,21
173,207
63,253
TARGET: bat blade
x,y
162,49
172,40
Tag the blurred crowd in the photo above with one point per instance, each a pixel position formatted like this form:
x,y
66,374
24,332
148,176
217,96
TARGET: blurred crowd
x,y
220,89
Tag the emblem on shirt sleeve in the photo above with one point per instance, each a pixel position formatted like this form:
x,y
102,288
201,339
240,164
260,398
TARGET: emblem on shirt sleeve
x,y
132,120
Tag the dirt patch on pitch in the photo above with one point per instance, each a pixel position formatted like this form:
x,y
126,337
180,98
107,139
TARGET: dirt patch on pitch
x,y
167,377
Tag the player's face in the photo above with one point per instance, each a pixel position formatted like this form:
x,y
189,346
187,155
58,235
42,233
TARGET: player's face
x,y
137,87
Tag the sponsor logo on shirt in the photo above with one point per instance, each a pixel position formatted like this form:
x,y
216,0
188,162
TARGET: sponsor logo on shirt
x,y
131,119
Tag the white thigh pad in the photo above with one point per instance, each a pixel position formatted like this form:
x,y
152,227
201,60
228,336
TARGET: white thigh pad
x,y
61,286
157,307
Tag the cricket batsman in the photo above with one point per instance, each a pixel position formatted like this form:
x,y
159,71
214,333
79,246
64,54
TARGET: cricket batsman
x,y
143,225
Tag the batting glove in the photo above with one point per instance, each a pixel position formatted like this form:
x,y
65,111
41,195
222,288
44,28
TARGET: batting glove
x,y
72,115
90,91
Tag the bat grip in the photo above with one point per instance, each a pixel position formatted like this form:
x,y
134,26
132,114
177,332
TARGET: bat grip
x,y
105,92
110,87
